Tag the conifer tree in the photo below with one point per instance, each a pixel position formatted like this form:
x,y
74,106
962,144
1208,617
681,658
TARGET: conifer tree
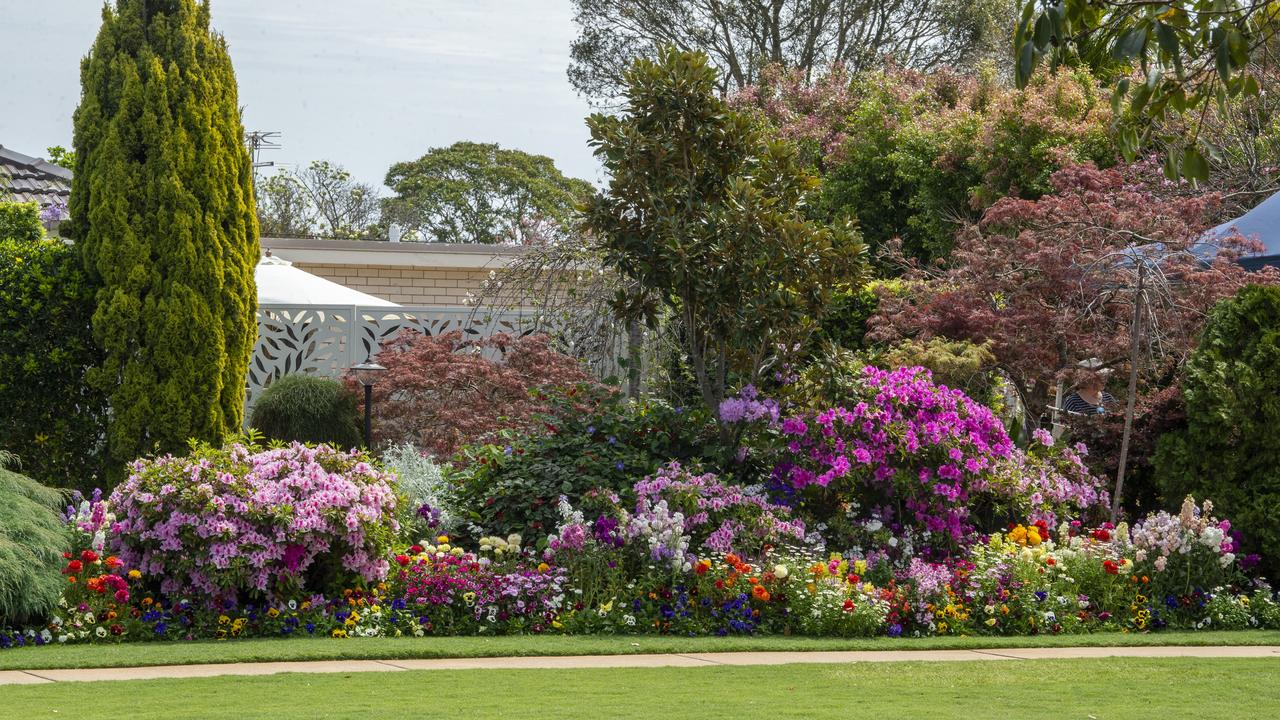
x,y
162,207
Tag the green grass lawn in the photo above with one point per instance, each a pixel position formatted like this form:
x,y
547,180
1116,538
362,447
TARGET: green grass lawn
x,y
1103,689
178,653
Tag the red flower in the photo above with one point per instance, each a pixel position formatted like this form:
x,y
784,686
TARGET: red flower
x,y
854,579
1110,567
74,566
1102,534
89,556
402,559
415,549
848,606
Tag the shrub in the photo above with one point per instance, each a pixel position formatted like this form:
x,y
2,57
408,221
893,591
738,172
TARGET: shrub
x,y
49,416
921,463
1229,450
515,485
238,521
440,392
308,409
20,222
718,517
422,483
32,540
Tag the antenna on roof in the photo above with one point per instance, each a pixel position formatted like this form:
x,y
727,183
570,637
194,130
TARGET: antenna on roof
x,y
257,141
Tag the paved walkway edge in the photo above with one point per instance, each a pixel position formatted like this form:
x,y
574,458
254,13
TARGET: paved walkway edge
x,y
155,672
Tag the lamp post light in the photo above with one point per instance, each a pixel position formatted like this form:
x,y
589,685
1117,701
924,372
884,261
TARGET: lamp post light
x,y
367,374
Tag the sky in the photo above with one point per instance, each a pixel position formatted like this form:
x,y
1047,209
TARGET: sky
x,y
361,83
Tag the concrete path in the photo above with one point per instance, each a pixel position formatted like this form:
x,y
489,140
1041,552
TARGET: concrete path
x,y
20,677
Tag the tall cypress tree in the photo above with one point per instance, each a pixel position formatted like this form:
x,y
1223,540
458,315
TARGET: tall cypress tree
x,y
162,207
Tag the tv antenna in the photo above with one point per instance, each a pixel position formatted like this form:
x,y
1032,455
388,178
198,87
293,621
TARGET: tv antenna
x,y
257,141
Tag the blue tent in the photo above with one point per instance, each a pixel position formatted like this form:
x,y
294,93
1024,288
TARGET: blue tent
x,y
1262,224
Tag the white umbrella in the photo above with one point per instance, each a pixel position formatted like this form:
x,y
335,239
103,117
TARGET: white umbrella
x,y
279,283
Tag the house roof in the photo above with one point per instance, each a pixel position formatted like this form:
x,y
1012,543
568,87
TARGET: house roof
x,y
29,179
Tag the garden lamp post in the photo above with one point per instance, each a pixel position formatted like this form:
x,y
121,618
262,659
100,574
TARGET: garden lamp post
x,y
367,374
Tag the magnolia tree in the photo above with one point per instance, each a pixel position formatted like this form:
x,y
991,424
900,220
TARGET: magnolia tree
x,y
705,215
1107,271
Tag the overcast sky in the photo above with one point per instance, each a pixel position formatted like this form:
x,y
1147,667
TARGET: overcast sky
x,y
363,83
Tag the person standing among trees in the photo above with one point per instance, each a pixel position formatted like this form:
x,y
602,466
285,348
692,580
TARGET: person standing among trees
x,y
1090,398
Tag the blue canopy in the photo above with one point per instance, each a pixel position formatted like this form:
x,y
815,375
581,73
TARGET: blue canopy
x,y
1262,224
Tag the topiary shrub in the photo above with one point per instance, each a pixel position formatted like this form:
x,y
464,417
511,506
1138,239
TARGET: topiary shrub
x,y
1230,450
32,540
240,522
308,409
49,416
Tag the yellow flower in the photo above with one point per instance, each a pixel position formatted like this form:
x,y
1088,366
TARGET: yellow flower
x,y
272,612
135,574
860,567
223,619
339,633
543,567
991,622
442,539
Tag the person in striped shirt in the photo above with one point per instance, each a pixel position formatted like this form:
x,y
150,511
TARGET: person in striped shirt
x,y
1089,398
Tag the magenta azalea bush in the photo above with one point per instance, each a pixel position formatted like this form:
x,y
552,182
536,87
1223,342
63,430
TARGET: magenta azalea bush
x,y
919,463
241,521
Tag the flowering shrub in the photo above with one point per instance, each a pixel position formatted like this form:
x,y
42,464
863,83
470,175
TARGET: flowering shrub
x,y
422,483
515,484
719,517
223,523
917,459
440,392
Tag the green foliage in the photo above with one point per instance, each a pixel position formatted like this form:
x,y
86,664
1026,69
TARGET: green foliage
x,y
20,221
480,193
1191,53
1230,451
32,540
61,156
707,215
957,364
49,415
515,485
162,209
922,153
320,199
308,409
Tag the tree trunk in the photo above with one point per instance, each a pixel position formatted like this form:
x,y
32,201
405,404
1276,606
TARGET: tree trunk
x,y
1135,345
635,340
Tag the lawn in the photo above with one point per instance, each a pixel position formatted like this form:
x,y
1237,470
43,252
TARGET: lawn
x,y
1110,688
262,650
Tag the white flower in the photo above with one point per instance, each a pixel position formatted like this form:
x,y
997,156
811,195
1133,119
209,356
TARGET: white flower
x,y
781,572
100,632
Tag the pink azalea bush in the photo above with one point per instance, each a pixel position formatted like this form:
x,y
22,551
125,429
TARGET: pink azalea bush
x,y
228,522
919,461
720,517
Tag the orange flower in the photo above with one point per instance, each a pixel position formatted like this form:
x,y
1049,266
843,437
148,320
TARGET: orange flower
x,y
732,559
753,581
760,593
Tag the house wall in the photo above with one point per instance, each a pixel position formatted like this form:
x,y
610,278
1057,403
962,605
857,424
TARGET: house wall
x,y
404,285
406,273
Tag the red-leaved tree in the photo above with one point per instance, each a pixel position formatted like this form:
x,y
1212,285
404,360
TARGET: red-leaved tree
x,y
1066,279
441,392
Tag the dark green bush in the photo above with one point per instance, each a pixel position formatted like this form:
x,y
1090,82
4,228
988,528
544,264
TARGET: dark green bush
x,y
514,484
49,416
32,540
308,409
1230,449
